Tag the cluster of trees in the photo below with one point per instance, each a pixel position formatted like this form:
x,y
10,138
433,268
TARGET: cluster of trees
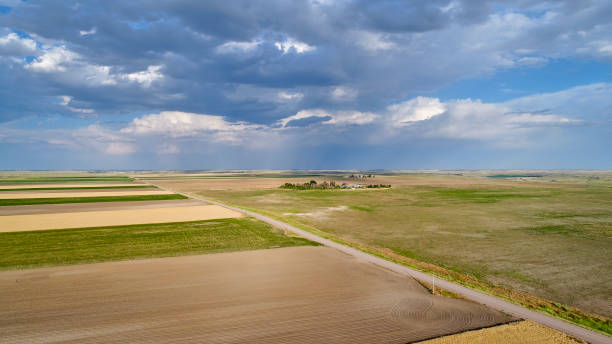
x,y
376,186
360,176
329,185
311,185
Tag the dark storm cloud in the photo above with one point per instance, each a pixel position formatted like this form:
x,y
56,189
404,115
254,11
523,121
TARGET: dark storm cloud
x,y
377,51
395,16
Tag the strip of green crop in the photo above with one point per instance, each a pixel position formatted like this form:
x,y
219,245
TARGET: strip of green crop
x,y
33,201
98,244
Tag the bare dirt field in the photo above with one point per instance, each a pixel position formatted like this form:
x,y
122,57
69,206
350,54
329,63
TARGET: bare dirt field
x,y
32,222
522,332
288,295
80,193
94,206
62,185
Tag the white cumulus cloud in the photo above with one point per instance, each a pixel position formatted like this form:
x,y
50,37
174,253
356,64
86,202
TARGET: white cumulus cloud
x,y
183,124
13,45
146,77
69,67
332,118
233,46
497,123
88,32
85,112
283,95
415,110
54,59
352,117
293,45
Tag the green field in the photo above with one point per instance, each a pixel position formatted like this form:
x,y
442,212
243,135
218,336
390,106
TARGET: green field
x,y
33,201
81,188
87,245
545,238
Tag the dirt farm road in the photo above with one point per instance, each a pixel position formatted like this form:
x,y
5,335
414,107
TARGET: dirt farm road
x,y
470,294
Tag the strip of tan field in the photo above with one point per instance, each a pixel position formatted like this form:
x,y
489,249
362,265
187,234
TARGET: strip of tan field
x,y
18,223
523,332
59,185
77,193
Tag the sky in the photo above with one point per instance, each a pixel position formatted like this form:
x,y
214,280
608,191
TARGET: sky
x,y
313,84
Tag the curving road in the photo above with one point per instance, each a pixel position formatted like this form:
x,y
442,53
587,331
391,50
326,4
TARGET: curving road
x,y
471,294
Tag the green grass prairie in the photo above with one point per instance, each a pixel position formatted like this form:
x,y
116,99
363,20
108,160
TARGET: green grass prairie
x,y
550,236
87,245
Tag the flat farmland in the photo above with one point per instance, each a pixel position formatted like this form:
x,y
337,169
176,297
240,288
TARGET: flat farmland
x,y
175,269
36,178
23,187
7,202
94,206
79,193
549,237
60,189
287,295
97,244
33,222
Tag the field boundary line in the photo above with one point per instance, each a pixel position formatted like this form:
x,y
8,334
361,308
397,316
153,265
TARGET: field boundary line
x,y
468,293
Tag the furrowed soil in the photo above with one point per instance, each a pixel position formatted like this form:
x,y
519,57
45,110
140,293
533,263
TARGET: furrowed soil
x,y
288,295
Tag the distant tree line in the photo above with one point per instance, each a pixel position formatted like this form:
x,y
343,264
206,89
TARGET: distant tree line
x,y
330,185
311,185
359,176
377,186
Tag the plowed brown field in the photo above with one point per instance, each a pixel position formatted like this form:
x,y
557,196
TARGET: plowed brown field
x,y
289,295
